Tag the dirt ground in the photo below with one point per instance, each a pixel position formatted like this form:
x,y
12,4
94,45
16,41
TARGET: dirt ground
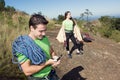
x,y
100,60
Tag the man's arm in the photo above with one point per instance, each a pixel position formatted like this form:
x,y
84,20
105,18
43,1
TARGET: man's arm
x,y
29,69
52,53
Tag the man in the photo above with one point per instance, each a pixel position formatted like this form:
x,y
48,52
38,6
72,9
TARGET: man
x,y
33,51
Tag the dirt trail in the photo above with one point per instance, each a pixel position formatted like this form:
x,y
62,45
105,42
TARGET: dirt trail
x,y
100,61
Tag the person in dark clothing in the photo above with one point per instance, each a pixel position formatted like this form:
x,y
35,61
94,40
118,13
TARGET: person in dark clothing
x,y
69,25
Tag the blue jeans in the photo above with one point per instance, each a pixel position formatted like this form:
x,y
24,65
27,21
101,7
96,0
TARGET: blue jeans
x,y
51,76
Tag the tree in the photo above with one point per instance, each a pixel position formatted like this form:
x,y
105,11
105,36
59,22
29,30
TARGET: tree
x,y
117,24
2,5
88,13
107,21
40,12
10,9
82,16
60,17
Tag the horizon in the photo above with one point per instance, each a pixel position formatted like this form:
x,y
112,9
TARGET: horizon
x,y
92,17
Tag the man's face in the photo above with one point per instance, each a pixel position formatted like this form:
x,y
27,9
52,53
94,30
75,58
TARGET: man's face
x,y
39,32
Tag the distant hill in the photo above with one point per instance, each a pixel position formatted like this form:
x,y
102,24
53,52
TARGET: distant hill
x,y
91,18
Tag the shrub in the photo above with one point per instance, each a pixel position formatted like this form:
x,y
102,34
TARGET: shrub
x,y
115,35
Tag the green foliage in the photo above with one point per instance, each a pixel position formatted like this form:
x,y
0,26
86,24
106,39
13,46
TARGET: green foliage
x,y
7,67
114,23
2,5
21,20
51,26
110,27
106,20
10,8
117,24
9,21
11,26
115,35
2,18
105,31
60,17
80,23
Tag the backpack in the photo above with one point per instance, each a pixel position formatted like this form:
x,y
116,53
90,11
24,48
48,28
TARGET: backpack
x,y
86,37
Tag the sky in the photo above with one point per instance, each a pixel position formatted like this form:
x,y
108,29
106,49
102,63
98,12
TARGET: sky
x,y
53,8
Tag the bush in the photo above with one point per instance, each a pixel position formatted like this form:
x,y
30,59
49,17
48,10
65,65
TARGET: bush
x,y
115,35
10,28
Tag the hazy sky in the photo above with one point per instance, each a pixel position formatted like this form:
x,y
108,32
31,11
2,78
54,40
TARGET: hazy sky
x,y
53,8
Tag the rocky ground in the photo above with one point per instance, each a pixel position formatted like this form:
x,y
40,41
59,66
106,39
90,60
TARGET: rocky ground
x,y
100,60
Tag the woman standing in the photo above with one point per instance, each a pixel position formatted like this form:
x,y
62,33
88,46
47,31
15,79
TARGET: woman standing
x,y
69,25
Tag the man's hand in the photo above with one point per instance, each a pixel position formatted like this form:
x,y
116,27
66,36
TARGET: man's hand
x,y
56,63
50,62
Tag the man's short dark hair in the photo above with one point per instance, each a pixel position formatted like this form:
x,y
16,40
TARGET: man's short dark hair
x,y
37,19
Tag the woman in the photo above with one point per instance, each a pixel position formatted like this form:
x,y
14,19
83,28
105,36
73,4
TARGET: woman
x,y
69,24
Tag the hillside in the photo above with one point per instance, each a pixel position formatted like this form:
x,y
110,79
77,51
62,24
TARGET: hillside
x,y
100,61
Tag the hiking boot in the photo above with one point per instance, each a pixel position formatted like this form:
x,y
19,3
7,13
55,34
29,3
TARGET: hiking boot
x,y
70,56
68,52
79,52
